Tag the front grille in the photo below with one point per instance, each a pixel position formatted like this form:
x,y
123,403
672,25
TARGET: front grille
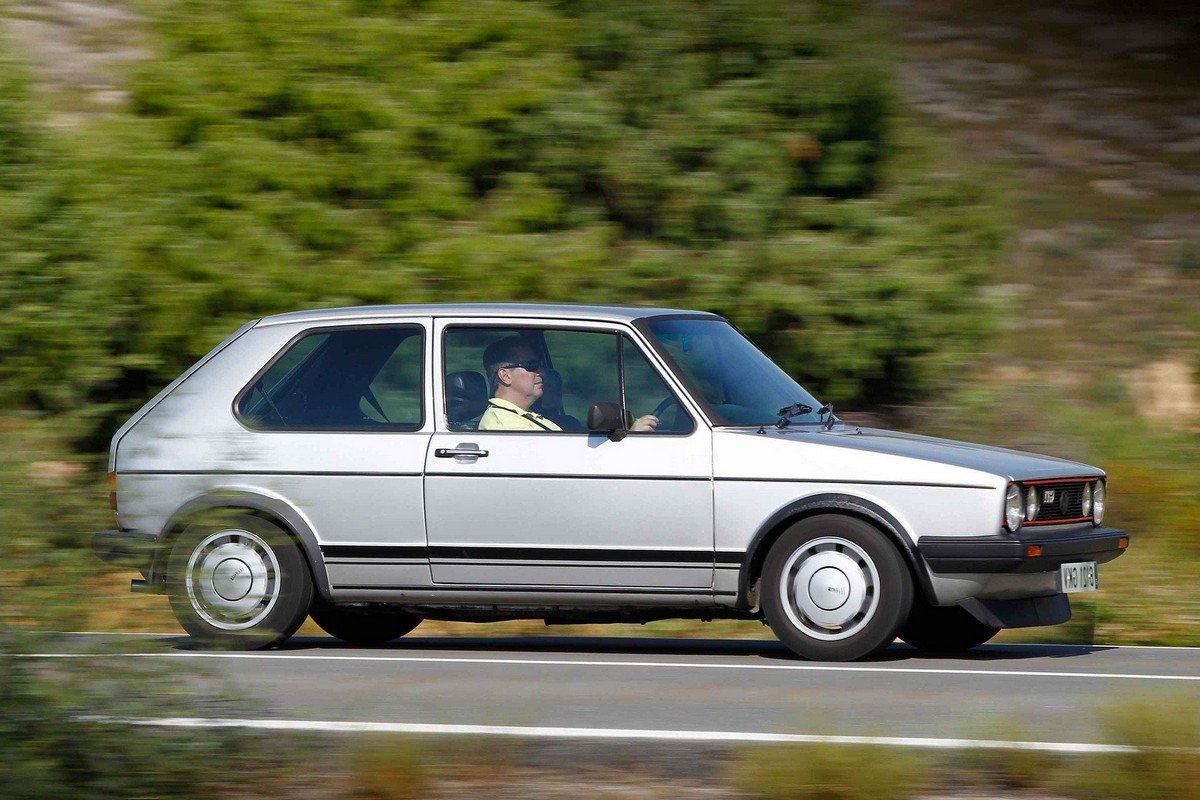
x,y
1061,501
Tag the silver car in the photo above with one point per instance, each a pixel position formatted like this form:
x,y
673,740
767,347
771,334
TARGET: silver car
x,y
332,463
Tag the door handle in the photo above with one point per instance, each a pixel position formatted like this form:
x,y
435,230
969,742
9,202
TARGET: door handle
x,y
462,451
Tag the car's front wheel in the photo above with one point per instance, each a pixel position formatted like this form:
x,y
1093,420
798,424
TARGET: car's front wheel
x,y
239,582
835,589
946,629
362,625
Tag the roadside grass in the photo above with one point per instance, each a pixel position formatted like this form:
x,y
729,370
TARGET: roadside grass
x,y
401,767
829,772
1167,763
389,768
1165,766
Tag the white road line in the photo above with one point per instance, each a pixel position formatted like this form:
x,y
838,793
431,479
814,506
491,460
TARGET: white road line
x,y
276,656
731,737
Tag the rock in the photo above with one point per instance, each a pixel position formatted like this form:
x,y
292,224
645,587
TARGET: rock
x,y
1025,143
1114,259
969,69
1135,130
55,471
1186,146
1130,37
1165,391
1070,17
934,32
1119,188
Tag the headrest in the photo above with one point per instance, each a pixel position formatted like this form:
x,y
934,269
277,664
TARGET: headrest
x,y
466,396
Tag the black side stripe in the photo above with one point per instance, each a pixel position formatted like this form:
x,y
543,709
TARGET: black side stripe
x,y
444,588
559,476
850,482
373,551
464,553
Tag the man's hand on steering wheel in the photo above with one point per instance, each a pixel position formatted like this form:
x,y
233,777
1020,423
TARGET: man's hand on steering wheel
x,y
647,422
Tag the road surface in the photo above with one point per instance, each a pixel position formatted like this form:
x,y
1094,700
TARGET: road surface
x,y
1053,697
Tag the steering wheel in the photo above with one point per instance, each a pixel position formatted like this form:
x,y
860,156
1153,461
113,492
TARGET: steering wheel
x,y
666,403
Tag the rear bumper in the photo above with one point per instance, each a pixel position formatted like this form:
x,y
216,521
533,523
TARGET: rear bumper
x,y
1009,554
128,548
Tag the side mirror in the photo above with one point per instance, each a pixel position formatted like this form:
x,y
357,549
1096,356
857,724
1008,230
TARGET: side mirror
x,y
607,418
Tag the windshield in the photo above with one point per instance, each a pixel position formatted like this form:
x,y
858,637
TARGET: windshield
x,y
741,385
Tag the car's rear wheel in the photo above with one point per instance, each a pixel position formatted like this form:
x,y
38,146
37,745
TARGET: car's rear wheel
x,y
239,582
945,629
358,625
835,588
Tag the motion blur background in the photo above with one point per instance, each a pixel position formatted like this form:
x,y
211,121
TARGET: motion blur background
x,y
971,219
977,220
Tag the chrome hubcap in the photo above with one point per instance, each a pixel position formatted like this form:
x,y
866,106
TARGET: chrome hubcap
x,y
830,588
233,579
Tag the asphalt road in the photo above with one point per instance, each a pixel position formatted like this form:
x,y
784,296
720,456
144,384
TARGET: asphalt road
x,y
1053,696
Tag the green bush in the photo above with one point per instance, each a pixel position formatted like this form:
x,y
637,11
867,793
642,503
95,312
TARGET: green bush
x,y
743,157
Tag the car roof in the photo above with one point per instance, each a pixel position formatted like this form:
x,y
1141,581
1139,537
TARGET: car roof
x,y
513,310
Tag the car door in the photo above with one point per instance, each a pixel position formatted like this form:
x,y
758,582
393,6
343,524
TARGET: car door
x,y
568,508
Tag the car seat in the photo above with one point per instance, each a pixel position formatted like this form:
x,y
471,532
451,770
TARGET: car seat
x,y
466,400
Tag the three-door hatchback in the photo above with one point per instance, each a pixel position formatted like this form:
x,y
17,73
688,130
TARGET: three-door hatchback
x,y
377,466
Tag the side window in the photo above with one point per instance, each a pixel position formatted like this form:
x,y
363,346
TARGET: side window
x,y
646,393
573,370
342,379
583,371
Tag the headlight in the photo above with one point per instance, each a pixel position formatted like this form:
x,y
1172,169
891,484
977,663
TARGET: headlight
x,y
1014,509
1086,504
1098,498
1032,504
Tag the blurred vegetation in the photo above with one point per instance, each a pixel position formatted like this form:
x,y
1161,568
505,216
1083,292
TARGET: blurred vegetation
x,y
830,772
63,732
745,158
1164,763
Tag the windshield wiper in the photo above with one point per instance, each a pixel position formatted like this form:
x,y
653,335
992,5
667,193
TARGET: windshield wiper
x,y
794,410
827,409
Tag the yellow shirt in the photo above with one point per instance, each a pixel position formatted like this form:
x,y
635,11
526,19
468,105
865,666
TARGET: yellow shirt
x,y
502,415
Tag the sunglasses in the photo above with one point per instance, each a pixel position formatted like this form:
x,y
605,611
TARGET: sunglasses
x,y
532,365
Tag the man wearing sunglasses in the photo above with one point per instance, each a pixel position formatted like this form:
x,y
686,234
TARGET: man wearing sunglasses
x,y
514,374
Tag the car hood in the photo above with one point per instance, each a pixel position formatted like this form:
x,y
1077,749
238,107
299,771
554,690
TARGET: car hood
x,y
869,454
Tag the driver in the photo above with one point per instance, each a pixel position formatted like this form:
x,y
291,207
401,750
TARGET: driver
x,y
514,374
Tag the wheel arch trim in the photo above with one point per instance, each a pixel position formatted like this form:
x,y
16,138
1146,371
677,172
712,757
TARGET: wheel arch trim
x,y
838,503
272,508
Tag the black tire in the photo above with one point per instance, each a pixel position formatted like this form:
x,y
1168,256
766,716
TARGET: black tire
x,y
358,625
238,582
857,591
944,629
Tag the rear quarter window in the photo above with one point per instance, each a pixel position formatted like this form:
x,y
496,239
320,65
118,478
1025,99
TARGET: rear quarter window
x,y
346,379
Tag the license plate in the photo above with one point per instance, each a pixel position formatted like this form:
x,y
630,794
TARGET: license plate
x,y
1079,576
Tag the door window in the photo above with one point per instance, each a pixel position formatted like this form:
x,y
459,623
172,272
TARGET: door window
x,y
575,368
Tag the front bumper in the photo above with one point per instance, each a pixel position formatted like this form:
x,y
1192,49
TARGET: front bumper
x,y
128,548
1010,554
